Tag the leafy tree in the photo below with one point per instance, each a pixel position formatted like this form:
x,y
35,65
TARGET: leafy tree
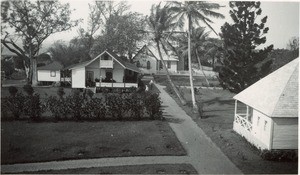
x,y
121,34
160,25
194,12
243,64
69,54
32,22
8,67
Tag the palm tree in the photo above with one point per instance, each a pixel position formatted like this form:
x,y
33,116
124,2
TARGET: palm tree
x,y
194,12
199,41
161,26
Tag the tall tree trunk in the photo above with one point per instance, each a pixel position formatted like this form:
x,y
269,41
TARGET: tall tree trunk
x,y
183,102
195,107
200,66
34,72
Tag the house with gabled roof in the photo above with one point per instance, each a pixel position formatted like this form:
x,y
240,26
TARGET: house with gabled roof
x,y
270,120
105,70
148,61
49,73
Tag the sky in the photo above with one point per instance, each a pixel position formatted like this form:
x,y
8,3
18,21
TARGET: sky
x,y
283,19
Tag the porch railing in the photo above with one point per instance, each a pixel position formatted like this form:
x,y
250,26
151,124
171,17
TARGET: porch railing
x,y
242,121
116,85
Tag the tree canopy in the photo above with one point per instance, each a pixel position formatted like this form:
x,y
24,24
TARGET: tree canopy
x,y
30,23
244,64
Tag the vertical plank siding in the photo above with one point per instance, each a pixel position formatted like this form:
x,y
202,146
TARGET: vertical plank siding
x,y
285,134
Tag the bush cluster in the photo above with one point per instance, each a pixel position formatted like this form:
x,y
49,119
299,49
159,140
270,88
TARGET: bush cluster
x,y
280,155
82,106
112,106
18,104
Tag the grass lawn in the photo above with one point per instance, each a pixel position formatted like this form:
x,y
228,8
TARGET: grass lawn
x,y
217,123
133,169
23,141
185,80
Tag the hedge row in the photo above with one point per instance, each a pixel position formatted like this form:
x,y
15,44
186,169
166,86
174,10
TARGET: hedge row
x,y
82,106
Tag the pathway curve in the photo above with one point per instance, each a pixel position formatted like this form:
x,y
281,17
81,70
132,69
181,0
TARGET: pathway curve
x,y
203,154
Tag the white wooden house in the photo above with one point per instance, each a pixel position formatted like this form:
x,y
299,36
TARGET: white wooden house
x,y
270,118
105,70
148,61
49,72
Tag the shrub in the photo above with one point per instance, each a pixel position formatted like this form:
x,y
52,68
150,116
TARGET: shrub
x,y
12,90
152,105
280,155
28,89
74,103
33,107
136,105
61,92
200,109
57,107
13,105
99,108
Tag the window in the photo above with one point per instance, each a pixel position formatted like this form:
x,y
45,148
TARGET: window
x,y
148,64
169,64
53,74
265,126
258,118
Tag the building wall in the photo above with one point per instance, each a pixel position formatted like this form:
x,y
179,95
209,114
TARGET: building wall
x,y
262,128
45,75
285,134
143,59
96,72
173,66
118,72
78,78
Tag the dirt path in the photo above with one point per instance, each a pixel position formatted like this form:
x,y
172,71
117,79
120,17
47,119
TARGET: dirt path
x,y
203,154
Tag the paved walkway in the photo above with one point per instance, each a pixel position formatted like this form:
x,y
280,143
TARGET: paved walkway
x,y
203,154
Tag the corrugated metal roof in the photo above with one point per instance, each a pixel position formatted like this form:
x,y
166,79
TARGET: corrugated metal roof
x,y
275,95
52,66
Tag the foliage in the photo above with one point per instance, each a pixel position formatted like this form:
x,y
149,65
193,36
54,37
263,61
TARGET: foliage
x,y
244,64
152,105
161,25
7,67
32,22
194,12
121,34
58,107
61,92
12,90
280,155
14,104
69,54
281,57
33,107
75,102
28,89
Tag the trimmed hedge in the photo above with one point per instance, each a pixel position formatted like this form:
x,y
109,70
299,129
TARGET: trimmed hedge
x,y
83,106
280,155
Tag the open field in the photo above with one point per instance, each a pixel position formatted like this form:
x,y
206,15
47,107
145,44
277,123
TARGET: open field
x,y
217,123
47,141
133,169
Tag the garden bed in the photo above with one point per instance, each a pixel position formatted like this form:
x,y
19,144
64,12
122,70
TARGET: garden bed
x,y
23,142
217,123
132,169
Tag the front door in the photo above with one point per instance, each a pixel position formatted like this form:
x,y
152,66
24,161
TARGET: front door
x,y
108,76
